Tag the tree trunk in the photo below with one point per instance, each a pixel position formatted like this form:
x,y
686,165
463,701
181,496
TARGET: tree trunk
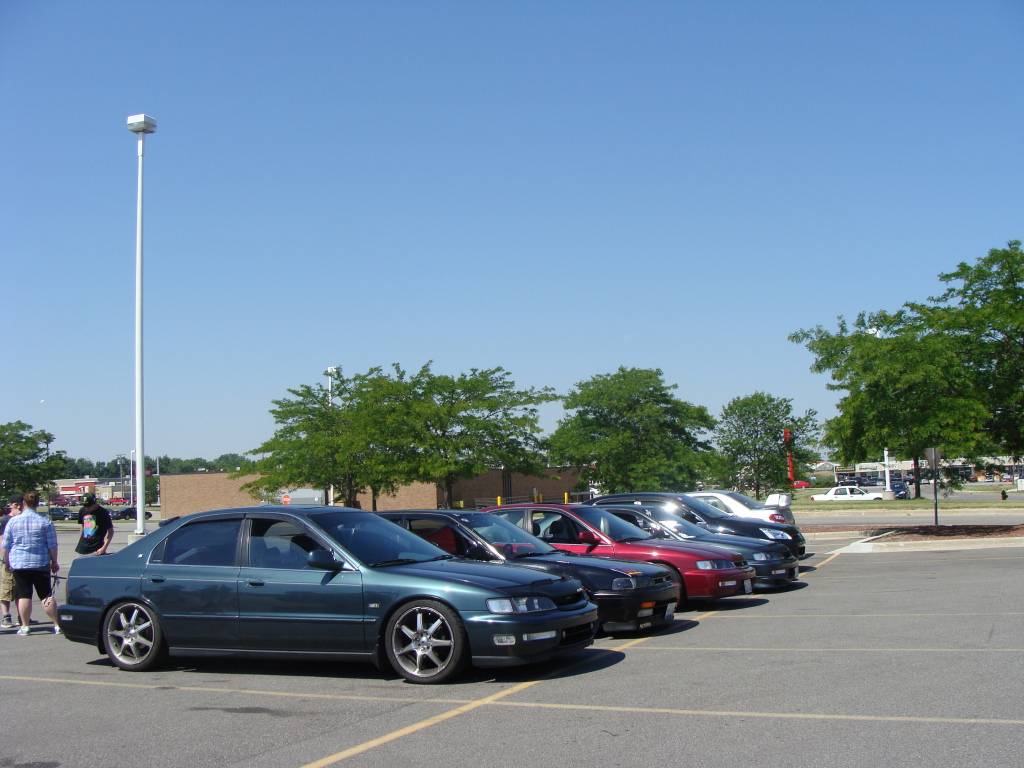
x,y
373,499
449,483
917,478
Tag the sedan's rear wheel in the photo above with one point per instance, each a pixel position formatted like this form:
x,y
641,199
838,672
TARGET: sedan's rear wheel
x,y
425,642
132,637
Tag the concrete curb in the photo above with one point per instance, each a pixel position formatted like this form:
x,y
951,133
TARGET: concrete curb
x,y
873,546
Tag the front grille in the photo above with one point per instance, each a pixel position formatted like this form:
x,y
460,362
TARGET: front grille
x,y
577,634
660,580
563,601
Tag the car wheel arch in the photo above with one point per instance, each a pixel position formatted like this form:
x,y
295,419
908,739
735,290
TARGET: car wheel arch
x,y
120,601
679,576
382,622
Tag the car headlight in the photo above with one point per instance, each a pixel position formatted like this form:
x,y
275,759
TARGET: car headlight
x,y
715,565
623,583
762,556
520,604
772,533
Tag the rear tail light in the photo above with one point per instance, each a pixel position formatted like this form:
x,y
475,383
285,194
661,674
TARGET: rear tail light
x,y
775,518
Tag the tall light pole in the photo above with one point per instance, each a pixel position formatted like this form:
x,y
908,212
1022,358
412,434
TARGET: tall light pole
x,y
329,373
140,125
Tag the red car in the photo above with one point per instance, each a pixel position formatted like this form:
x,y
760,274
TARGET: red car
x,y
801,484
703,571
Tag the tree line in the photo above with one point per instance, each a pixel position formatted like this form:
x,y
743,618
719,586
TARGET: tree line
x,y
947,372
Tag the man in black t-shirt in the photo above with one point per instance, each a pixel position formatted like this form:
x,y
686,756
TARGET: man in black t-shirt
x,y
97,528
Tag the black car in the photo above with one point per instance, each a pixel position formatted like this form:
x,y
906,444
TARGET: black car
x,y
317,583
899,488
704,515
773,563
126,513
630,595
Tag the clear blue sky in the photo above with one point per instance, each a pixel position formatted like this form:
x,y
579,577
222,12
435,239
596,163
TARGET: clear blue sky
x,y
559,188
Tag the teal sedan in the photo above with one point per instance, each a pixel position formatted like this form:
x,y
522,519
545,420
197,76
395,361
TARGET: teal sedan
x,y
321,583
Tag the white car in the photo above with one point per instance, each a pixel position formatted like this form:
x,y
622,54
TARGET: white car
x,y
847,493
775,509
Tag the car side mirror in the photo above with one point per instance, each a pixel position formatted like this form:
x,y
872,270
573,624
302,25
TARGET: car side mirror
x,y
588,538
324,560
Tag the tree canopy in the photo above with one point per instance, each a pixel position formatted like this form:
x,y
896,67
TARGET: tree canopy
x,y
26,462
750,440
626,431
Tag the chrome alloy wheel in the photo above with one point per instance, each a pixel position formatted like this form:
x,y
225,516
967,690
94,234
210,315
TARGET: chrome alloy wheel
x,y
131,634
422,642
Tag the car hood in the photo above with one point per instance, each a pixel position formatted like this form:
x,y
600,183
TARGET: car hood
x,y
742,544
496,576
694,547
570,560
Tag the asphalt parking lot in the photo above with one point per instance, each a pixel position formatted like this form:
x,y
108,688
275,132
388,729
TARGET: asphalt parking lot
x,y
883,659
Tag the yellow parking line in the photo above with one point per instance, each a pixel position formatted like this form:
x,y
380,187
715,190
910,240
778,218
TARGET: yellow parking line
x,y
494,698
859,615
765,715
822,564
242,691
828,650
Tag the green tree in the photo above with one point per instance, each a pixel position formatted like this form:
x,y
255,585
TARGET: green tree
x,y
460,426
627,432
906,388
308,447
750,439
982,311
26,462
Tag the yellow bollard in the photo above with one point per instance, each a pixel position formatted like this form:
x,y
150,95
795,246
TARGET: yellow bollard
x,y
565,497
498,501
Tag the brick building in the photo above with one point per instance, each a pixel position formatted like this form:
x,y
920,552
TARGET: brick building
x,y
185,494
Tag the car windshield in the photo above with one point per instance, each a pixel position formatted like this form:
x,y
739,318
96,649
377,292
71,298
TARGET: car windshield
x,y
746,501
612,526
684,527
375,541
704,509
509,539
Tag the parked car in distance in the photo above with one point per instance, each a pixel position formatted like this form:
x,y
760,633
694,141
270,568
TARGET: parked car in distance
x,y
630,596
117,500
63,513
60,501
127,513
715,520
775,509
801,484
321,583
847,493
701,571
773,563
899,488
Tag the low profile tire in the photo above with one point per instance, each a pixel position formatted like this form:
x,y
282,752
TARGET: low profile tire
x,y
425,642
132,637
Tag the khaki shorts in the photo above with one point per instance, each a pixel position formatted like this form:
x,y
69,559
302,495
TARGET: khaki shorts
x,y
6,584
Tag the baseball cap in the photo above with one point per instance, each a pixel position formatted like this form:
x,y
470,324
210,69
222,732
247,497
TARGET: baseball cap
x,y
88,498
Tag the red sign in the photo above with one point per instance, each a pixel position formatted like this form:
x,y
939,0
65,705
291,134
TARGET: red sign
x,y
286,499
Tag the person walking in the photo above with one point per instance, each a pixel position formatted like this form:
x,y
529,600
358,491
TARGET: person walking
x,y
28,545
6,578
97,527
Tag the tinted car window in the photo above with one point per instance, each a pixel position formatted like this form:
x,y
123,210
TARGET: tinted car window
x,y
440,533
611,526
374,540
280,544
509,538
212,542
554,527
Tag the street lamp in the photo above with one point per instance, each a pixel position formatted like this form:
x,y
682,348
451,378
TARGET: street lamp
x,y
140,125
329,373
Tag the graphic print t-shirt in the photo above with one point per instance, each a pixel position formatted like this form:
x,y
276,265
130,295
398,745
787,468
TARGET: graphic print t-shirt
x,y
95,525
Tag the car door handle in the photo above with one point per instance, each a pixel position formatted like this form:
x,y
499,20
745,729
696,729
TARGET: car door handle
x,y
255,583
156,579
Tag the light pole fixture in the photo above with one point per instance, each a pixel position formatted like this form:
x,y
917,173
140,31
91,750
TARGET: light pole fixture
x,y
140,125
329,373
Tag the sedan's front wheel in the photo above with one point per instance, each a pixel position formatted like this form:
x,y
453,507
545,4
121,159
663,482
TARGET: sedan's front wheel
x,y
425,642
132,637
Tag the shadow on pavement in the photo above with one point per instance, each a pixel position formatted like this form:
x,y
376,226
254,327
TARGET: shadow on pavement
x,y
737,603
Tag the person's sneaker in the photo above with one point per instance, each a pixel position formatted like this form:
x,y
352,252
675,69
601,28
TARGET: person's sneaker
x,y
56,629
6,622
22,630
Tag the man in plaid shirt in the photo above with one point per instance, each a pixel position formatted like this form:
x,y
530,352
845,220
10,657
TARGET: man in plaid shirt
x,y
28,546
